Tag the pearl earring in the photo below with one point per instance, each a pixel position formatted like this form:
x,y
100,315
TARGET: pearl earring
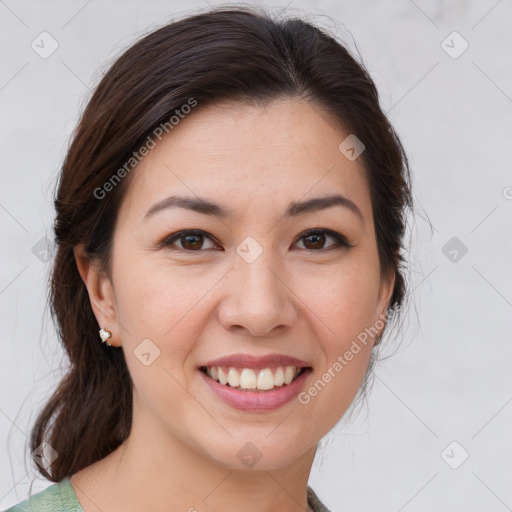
x,y
105,335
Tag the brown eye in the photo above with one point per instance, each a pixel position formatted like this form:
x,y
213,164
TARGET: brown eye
x,y
194,241
190,240
315,240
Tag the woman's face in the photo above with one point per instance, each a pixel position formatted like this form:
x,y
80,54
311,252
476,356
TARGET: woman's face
x,y
253,282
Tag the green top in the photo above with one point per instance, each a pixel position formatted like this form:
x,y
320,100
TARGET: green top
x,y
61,497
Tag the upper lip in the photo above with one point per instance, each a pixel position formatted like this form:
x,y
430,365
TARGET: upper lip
x,y
257,363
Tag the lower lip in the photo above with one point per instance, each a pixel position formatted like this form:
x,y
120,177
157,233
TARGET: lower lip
x,y
257,401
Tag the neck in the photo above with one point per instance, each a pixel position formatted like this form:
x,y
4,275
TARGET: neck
x,y
149,470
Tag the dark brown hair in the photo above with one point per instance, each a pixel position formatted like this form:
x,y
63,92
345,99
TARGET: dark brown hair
x,y
229,53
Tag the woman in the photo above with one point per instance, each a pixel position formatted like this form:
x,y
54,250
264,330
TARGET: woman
x,y
229,222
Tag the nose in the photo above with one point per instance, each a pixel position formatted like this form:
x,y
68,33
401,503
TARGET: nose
x,y
257,299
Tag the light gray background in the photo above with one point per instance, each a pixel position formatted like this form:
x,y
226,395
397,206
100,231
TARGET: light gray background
x,y
450,380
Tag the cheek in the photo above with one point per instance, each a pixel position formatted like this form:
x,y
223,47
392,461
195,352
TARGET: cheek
x,y
342,297
160,304
166,305
153,296
335,388
344,311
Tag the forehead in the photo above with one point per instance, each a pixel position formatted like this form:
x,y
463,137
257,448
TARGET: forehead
x,y
249,156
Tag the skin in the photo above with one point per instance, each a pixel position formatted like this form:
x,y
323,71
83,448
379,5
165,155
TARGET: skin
x,y
294,299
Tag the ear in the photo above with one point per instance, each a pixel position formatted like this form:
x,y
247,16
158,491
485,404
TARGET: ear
x,y
387,285
101,294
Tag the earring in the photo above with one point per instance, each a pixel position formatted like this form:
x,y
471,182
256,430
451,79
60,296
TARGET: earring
x,y
105,335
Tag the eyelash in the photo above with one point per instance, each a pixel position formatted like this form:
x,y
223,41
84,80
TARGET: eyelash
x,y
340,239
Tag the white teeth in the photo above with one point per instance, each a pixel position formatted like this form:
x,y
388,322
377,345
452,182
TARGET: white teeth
x,y
223,378
233,378
247,378
279,377
289,374
265,379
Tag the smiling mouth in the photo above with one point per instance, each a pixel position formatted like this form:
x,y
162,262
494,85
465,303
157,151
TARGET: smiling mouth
x,y
248,379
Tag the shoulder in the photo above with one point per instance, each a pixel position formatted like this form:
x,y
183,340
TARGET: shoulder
x,y
58,497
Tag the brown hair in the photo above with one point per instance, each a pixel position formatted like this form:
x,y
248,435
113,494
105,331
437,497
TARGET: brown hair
x,y
228,53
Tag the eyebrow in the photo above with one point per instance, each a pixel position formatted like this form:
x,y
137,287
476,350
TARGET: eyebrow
x,y
207,207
